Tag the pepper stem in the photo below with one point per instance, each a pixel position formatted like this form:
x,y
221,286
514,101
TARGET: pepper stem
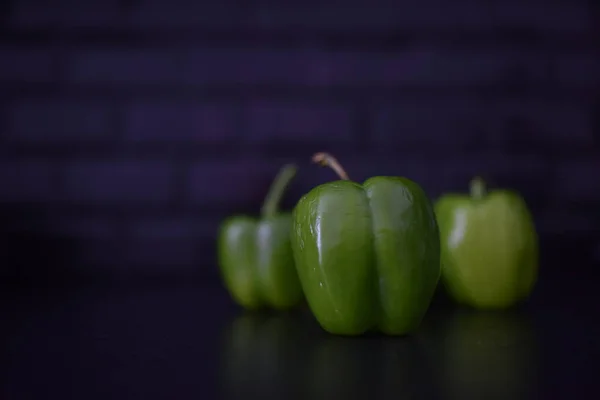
x,y
477,188
327,160
284,176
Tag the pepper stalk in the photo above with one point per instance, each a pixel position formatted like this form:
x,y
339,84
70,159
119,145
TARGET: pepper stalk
x,y
477,188
282,179
327,160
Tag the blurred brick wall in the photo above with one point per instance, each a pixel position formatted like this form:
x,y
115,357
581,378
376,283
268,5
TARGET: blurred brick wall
x,y
130,129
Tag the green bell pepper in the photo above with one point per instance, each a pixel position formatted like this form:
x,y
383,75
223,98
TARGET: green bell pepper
x,y
255,255
368,256
489,247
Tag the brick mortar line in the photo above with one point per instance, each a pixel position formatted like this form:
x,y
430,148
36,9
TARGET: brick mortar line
x,y
153,151
190,152
351,35
308,92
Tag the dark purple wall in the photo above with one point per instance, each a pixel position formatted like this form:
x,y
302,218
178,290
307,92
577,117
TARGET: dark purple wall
x,y
130,129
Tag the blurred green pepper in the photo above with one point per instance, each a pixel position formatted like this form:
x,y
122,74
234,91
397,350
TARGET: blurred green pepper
x,y
255,255
489,247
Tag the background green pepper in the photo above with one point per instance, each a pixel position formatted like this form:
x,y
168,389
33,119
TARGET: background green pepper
x,y
368,256
489,247
255,256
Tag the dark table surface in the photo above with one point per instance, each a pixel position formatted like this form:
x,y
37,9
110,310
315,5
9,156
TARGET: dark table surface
x,y
190,341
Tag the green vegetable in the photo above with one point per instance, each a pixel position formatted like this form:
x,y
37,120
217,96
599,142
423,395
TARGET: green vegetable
x,y
368,256
255,256
489,247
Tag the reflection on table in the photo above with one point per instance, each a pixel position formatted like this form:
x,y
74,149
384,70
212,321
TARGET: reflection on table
x,y
489,355
457,354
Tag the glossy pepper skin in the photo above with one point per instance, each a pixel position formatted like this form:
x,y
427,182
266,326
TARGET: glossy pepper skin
x,y
368,256
489,247
255,255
